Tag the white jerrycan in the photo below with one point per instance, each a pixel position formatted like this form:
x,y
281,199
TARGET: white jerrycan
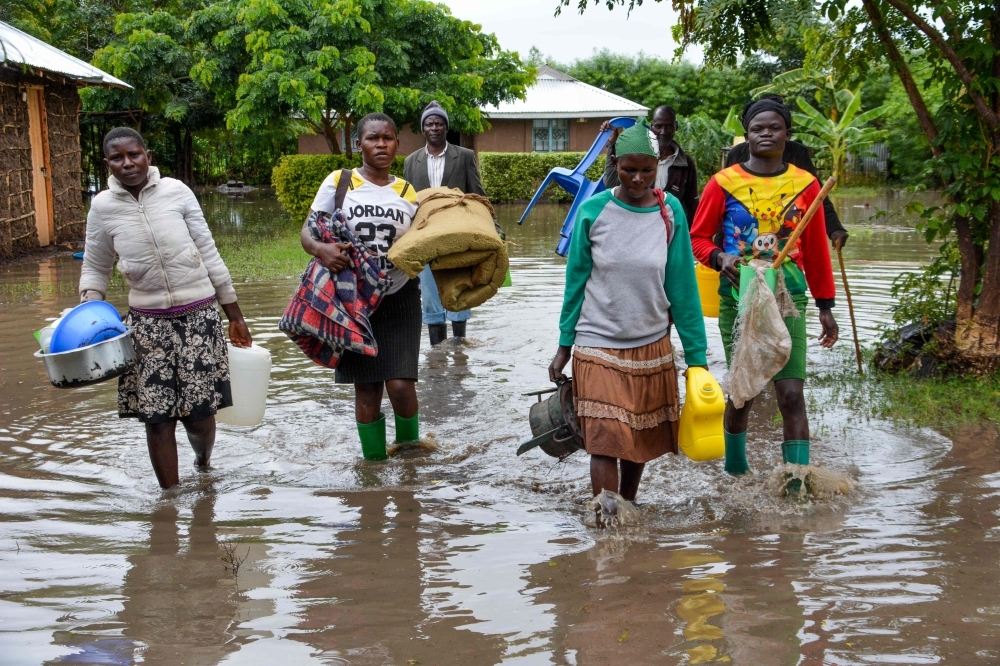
x,y
249,375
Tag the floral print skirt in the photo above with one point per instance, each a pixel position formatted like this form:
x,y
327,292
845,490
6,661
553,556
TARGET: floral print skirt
x,y
182,370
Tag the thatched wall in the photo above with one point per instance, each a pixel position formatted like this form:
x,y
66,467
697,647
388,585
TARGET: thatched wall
x,y
17,207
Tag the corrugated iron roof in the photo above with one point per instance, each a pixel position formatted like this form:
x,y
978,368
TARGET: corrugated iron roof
x,y
556,94
20,47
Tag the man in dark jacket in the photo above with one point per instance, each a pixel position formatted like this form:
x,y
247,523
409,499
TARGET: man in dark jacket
x,y
797,154
438,164
675,170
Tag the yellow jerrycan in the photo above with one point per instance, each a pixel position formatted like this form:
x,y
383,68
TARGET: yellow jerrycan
x,y
701,418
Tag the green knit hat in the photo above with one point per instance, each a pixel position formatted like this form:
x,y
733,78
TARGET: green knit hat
x,y
635,141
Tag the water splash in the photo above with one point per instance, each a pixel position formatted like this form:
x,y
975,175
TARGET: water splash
x,y
426,444
611,510
817,482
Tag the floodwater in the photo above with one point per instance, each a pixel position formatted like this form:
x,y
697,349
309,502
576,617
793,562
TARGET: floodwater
x,y
470,555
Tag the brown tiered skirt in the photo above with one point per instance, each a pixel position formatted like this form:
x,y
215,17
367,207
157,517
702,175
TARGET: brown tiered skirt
x,y
627,400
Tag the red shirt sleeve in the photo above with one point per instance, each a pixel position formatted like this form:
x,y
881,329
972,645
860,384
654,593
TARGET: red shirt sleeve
x,y
814,258
707,218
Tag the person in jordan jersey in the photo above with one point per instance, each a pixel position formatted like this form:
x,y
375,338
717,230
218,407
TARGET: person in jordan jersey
x,y
747,211
378,209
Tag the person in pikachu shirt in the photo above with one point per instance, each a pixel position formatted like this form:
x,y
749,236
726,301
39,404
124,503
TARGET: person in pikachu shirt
x,y
748,211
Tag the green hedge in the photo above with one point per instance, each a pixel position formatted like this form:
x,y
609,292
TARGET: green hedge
x,y
506,176
296,178
515,176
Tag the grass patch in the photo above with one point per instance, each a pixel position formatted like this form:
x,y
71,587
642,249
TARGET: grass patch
x,y
934,402
269,259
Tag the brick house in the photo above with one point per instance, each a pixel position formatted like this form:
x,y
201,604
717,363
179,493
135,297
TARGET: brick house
x,y
558,114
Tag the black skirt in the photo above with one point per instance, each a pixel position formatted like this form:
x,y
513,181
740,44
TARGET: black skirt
x,y
396,325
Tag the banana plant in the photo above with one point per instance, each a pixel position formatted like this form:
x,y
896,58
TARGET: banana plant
x,y
846,131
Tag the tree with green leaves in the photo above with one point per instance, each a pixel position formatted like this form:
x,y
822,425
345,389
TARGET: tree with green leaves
x,y
835,124
848,134
961,43
154,52
328,62
653,81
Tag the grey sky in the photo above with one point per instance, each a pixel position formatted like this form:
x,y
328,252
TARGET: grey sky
x,y
521,24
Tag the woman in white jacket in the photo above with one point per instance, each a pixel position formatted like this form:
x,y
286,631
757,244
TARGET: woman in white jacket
x,y
176,279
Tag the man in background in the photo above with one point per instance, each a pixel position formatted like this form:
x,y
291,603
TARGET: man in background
x,y
797,154
438,164
676,173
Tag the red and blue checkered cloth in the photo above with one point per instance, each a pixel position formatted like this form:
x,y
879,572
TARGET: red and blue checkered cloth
x,y
329,314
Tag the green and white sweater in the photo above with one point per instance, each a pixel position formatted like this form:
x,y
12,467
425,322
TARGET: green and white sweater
x,y
624,280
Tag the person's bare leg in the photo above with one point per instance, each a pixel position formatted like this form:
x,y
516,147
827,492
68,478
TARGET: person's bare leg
x,y
792,404
631,474
367,402
201,434
737,420
403,396
603,474
162,444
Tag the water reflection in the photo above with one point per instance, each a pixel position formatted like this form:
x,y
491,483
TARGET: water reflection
x,y
469,555
178,599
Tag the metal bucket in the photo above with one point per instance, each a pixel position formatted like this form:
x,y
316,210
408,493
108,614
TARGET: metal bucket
x,y
553,423
91,364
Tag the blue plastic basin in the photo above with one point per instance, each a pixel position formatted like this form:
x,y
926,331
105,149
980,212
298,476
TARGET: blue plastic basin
x,y
87,324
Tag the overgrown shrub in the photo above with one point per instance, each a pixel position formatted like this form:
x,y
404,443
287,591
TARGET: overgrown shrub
x,y
515,176
506,176
296,178
703,139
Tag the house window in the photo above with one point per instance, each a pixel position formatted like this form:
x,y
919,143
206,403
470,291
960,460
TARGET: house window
x,y
550,135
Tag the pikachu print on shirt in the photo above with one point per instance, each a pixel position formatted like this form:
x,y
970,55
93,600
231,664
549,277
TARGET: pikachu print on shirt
x,y
762,211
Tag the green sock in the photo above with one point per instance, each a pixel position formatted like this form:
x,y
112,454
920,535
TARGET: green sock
x,y
736,453
373,439
407,430
795,451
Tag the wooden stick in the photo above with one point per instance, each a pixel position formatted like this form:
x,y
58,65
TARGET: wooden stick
x,y
850,308
810,212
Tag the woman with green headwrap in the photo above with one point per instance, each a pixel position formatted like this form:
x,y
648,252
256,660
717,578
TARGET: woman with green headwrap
x,y
629,271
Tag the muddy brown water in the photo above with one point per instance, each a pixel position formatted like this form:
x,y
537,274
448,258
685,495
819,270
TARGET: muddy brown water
x,y
470,555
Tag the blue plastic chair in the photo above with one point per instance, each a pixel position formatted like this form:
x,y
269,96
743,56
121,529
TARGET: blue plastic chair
x,y
576,183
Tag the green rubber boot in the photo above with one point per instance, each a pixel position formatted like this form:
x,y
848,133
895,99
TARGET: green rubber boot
x,y
796,452
736,453
407,430
373,439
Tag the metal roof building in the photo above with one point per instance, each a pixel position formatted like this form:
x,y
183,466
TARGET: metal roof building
x,y
558,114
41,188
558,95
17,47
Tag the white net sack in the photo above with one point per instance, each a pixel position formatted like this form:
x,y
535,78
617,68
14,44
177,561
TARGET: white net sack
x,y
761,343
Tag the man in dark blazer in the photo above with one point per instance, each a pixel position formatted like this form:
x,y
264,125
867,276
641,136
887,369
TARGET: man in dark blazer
x,y
438,164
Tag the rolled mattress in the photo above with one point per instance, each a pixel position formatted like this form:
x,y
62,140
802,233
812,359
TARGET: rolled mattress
x,y
455,234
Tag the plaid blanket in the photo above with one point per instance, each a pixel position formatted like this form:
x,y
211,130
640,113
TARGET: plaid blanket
x,y
329,314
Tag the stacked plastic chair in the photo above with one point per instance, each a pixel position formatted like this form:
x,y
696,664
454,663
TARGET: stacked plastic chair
x,y
576,183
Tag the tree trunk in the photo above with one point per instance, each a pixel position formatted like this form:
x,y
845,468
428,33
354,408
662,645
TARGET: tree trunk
x,y
349,145
178,152
904,74
330,134
966,295
188,158
979,342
